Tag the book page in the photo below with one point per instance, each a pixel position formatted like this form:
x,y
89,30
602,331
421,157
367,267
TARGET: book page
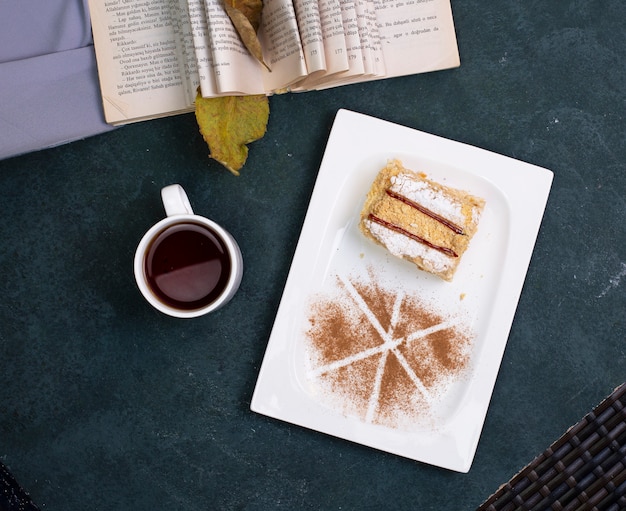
x,y
334,43
371,48
236,72
374,41
282,46
414,36
187,61
364,36
311,35
353,45
417,36
334,37
353,39
196,12
139,48
152,54
186,58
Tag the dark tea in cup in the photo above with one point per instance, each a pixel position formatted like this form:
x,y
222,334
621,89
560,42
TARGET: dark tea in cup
x,y
187,266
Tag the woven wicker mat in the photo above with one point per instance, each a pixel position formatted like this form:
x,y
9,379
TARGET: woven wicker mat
x,y
585,469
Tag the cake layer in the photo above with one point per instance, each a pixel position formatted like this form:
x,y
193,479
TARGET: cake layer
x,y
420,220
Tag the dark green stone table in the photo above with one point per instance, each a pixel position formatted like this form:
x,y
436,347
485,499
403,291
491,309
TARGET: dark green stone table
x,y
106,404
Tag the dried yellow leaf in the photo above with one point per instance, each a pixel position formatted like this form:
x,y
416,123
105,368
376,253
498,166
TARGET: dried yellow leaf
x,y
228,123
246,32
250,8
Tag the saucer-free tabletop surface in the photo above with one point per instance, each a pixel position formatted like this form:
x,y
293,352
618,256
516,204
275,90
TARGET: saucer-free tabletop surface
x,y
107,404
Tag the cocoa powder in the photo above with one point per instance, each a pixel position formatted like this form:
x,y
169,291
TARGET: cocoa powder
x,y
382,355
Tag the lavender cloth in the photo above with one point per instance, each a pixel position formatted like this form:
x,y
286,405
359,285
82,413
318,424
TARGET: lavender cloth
x,y
49,91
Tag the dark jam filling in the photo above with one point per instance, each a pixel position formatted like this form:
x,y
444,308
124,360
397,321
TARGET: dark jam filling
x,y
444,221
445,250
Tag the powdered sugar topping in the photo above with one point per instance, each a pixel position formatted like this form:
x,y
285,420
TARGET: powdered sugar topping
x,y
434,200
403,246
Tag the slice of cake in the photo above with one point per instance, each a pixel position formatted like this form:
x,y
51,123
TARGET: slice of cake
x,y
420,220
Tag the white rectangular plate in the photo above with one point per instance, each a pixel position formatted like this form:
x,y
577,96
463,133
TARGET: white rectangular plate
x,y
485,290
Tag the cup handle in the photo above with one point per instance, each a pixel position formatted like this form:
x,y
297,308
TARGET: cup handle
x,y
175,201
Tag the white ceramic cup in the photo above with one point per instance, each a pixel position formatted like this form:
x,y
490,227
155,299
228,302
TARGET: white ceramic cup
x,y
190,279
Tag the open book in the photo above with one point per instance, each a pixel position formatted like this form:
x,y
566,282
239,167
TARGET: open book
x,y
154,54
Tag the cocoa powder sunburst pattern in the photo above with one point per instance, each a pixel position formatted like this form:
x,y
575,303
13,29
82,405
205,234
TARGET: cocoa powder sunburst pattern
x,y
383,355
